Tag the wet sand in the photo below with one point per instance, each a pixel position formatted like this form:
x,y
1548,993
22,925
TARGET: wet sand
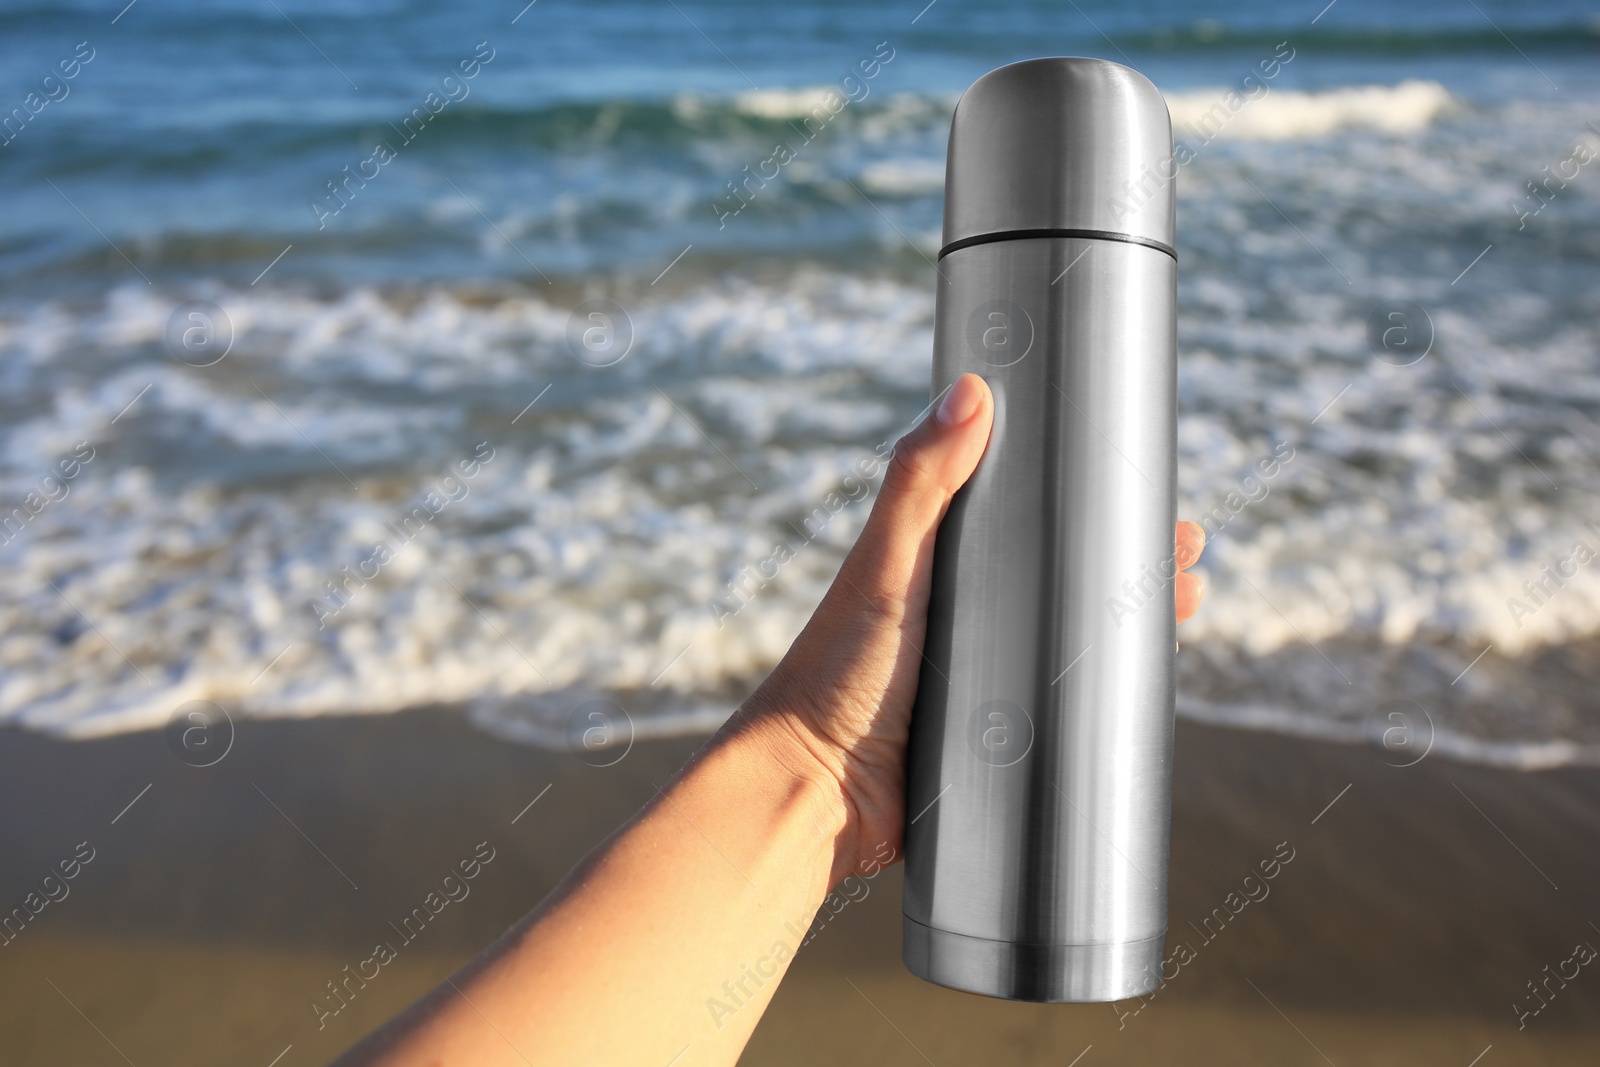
x,y
1412,916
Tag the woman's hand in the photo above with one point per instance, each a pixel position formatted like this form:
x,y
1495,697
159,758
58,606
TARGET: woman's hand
x,y
841,699
691,913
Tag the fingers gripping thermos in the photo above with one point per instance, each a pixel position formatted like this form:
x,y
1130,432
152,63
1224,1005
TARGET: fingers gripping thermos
x,y
1039,788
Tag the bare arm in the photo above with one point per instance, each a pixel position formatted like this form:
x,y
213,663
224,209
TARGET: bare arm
x,y
666,944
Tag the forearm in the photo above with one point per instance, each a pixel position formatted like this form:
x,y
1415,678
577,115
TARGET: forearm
x,y
669,939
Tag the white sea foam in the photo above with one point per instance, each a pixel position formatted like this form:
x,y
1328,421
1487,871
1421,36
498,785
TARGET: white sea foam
x,y
575,561
790,103
909,177
1283,115
590,571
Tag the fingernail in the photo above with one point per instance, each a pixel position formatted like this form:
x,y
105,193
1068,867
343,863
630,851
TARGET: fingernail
x,y
960,403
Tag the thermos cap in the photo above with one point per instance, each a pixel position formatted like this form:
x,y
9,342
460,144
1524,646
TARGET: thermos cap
x,y
1063,144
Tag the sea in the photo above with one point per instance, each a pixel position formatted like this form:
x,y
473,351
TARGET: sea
x,y
365,356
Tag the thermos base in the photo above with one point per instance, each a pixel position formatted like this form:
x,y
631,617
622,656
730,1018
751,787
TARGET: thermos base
x,y
1050,974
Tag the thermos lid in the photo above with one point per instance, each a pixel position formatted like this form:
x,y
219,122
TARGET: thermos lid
x,y
1062,144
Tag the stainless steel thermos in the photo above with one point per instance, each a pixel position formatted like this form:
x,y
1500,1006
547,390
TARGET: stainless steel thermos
x,y
1038,799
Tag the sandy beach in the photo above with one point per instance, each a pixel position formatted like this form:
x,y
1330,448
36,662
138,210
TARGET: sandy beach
x,y
1404,928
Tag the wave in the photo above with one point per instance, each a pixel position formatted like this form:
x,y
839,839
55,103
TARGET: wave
x,y
602,726
669,203
567,128
1284,115
1516,755
685,134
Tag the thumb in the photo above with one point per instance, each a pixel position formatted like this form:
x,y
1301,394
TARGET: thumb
x,y
890,565
858,656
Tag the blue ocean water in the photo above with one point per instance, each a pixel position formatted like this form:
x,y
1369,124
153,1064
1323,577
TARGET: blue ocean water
x,y
396,223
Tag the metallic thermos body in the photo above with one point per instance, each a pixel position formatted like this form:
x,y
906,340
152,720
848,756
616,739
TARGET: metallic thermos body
x,y
1038,798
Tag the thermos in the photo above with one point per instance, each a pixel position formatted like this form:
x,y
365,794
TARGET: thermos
x,y
1039,786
